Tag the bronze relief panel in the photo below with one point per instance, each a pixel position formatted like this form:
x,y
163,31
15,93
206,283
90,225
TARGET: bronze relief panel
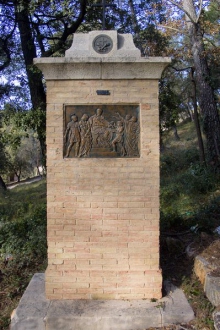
x,y
101,131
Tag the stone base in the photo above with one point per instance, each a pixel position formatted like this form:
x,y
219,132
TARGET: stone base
x,y
36,312
102,284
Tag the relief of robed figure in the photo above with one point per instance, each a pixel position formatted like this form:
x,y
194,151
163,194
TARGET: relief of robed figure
x,y
131,135
101,132
86,136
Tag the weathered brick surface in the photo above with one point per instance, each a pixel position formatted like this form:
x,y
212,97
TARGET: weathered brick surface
x,y
103,214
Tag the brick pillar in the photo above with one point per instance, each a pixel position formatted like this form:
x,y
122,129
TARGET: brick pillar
x,y
103,213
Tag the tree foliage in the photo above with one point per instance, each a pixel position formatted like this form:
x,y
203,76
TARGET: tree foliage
x,y
21,153
40,28
186,30
44,28
193,28
170,105
3,160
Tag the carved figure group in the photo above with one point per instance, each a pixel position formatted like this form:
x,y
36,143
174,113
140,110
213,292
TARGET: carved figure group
x,y
96,133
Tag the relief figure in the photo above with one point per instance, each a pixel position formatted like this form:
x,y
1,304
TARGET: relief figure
x,y
72,136
133,132
101,133
86,137
118,141
131,135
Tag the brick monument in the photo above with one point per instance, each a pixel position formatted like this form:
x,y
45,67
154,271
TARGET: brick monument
x,y
103,170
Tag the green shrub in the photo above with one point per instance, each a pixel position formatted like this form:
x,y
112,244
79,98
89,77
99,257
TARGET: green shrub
x,y
198,179
187,188
177,160
170,192
170,218
26,235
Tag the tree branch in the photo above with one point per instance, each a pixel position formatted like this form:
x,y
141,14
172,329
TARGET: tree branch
x,y
183,69
210,41
68,31
5,49
182,9
169,27
200,9
38,36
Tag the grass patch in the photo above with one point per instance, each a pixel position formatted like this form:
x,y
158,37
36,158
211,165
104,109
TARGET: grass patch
x,y
200,304
23,248
22,200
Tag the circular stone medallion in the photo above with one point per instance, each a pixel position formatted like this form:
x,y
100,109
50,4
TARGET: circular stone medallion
x,y
102,44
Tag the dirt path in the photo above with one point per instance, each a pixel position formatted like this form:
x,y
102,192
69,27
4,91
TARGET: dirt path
x,y
26,181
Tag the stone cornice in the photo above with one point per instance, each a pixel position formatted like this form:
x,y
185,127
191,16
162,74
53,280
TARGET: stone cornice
x,y
65,68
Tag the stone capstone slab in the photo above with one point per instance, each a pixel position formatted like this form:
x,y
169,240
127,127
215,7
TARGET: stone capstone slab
x,y
36,312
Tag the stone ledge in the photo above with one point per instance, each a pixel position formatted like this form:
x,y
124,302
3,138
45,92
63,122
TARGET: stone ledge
x,y
99,68
111,60
216,318
212,289
202,267
36,312
205,271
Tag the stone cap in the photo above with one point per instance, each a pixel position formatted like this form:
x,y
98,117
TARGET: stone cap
x,y
81,61
82,46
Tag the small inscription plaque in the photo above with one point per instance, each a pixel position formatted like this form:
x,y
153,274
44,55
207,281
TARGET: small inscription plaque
x,y
101,131
103,92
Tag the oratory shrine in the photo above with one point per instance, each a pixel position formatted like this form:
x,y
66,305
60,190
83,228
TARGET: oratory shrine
x,y
103,169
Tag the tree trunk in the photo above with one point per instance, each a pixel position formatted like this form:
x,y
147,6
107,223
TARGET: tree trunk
x,y
176,135
18,177
162,146
34,75
135,26
133,17
206,98
38,96
189,111
2,184
196,119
